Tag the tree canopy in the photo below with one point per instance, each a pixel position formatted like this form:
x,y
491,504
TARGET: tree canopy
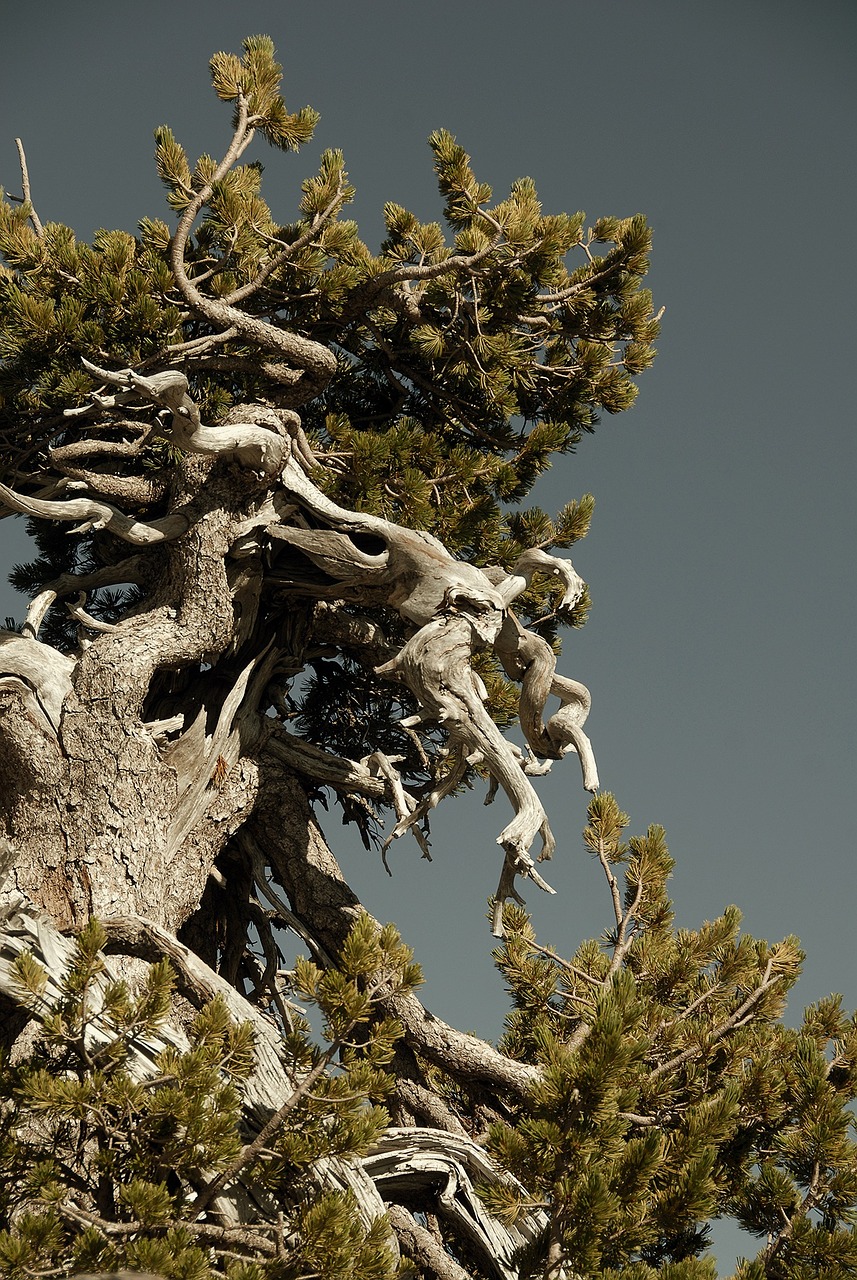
x,y
291,470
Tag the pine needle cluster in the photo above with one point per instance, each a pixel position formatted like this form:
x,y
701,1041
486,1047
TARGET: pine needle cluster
x,y
104,1167
671,1093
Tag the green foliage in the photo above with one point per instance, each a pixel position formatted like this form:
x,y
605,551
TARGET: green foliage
x,y
671,1093
468,357
471,351
101,1163
256,78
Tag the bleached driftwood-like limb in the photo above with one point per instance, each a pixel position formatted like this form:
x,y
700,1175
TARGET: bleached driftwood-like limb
x,y
375,778
97,515
78,612
529,659
456,608
252,446
452,778
435,665
130,570
459,609
404,804
408,1161
530,563
41,668
417,573
334,771
359,777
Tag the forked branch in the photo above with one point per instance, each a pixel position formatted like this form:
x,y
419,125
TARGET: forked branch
x,y
316,361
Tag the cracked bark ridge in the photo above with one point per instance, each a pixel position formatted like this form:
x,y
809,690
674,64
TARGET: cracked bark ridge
x,y
151,779
454,609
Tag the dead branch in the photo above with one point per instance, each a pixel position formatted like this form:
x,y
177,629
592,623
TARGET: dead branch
x,y
25,189
98,515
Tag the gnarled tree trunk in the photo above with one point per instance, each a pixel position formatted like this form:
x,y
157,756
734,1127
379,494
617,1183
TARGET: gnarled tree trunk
x,y
150,783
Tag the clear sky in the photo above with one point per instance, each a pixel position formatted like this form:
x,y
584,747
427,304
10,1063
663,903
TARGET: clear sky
x,y
720,650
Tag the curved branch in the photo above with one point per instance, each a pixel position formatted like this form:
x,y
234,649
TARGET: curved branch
x,y
252,446
569,291
349,776
529,659
406,1162
129,570
139,490
420,574
459,610
435,665
42,668
301,861
315,360
98,515
63,453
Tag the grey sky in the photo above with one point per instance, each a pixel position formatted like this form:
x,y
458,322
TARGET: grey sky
x,y
721,562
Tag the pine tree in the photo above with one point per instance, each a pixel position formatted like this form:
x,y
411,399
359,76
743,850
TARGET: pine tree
x,y
291,468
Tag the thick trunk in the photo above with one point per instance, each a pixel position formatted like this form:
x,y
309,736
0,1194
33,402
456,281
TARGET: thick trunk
x,y
148,782
92,809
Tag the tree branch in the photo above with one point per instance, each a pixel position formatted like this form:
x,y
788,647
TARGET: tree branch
x,y
25,187
421,1245
98,515
315,360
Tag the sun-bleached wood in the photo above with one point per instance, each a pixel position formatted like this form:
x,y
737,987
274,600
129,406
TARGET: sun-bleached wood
x,y
454,608
168,783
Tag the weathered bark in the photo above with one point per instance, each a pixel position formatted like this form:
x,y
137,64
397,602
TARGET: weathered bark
x,y
435,1168
148,782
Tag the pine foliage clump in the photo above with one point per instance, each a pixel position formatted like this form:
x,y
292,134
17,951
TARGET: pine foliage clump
x,y
670,1091
105,1167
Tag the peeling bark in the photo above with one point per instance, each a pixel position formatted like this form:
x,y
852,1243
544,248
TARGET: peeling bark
x,y
149,783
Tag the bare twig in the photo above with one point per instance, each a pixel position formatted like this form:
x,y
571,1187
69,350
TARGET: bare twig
x,y
25,186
